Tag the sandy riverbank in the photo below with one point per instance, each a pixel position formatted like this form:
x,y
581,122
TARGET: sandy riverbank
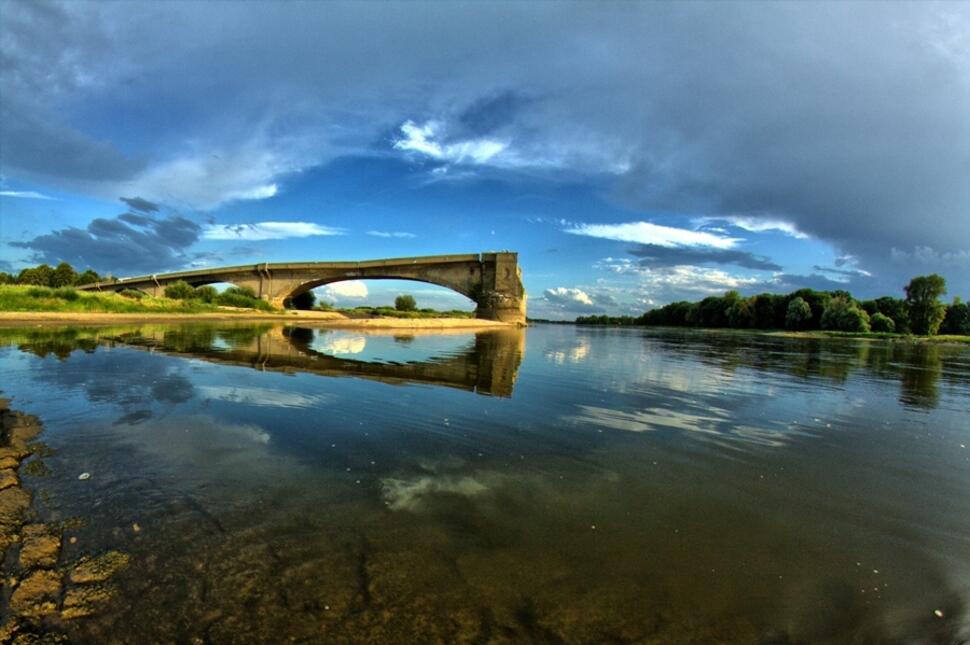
x,y
316,318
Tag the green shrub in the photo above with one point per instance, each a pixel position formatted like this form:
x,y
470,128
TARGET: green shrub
x,y
134,294
405,302
882,323
179,290
842,314
66,293
205,293
241,291
39,292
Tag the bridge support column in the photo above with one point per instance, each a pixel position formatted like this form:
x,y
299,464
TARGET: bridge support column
x,y
502,295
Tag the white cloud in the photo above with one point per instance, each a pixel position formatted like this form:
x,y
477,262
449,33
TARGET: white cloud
x,y
267,231
421,139
753,224
568,296
649,233
348,289
395,234
24,194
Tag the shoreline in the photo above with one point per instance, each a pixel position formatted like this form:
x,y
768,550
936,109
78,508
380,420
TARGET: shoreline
x,y
322,318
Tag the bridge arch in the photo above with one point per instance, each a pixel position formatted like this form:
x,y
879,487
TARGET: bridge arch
x,y
462,290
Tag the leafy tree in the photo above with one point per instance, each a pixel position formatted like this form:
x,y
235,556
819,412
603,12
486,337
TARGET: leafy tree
x,y
205,293
894,308
926,312
63,275
957,320
740,314
304,300
842,314
405,303
179,290
798,314
6,278
87,277
246,292
881,322
39,275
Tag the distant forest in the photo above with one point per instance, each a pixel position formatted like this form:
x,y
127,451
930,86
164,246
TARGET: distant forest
x,y
920,312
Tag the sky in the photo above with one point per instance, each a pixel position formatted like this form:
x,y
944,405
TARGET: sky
x,y
633,154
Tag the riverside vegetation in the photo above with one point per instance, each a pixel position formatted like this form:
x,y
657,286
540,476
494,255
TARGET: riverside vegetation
x,y
920,313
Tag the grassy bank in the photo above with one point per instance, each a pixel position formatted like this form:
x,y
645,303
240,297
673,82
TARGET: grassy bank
x,y
68,300
391,312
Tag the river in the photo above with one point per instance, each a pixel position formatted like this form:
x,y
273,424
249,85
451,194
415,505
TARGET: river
x,y
268,483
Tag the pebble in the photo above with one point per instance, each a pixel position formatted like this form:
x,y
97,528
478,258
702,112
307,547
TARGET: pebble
x,y
84,476
938,613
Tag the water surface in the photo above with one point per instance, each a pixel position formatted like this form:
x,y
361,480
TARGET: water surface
x,y
559,484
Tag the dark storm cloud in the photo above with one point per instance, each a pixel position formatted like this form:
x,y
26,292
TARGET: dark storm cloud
x,y
127,244
139,204
654,255
490,113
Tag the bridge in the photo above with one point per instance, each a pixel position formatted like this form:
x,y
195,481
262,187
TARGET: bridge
x,y
492,280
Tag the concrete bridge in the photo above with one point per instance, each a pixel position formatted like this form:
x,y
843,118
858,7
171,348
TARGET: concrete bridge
x,y
492,280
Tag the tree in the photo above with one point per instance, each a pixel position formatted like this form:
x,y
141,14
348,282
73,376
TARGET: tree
x,y
205,293
39,275
926,312
64,275
798,315
179,290
740,314
405,303
843,314
87,277
957,320
894,308
6,278
882,323
303,300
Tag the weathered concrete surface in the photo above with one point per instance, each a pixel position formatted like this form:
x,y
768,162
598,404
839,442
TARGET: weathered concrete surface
x,y
492,280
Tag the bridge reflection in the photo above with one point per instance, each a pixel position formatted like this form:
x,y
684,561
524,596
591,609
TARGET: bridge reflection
x,y
487,364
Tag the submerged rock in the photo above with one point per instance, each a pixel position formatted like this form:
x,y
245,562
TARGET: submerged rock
x,y
37,594
41,547
100,568
83,601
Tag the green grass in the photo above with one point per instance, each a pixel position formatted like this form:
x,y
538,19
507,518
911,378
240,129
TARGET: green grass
x,y
65,299
391,312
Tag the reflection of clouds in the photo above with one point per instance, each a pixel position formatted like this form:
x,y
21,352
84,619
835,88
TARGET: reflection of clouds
x,y
201,441
575,354
336,345
264,396
412,494
716,423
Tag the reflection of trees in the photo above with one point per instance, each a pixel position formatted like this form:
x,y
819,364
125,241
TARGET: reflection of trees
x,y
917,366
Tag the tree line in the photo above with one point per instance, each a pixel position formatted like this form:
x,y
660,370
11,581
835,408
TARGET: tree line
x,y
920,312
43,275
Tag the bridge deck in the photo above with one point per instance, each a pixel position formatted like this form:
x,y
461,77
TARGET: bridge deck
x,y
291,266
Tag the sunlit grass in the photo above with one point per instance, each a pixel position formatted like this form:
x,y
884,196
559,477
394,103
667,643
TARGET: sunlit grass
x,y
68,300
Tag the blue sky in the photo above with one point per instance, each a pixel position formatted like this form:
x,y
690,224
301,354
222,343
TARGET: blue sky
x,y
633,154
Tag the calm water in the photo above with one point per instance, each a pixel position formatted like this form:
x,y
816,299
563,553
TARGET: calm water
x,y
556,485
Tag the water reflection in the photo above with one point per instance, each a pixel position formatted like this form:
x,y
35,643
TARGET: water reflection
x,y
485,363
639,487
